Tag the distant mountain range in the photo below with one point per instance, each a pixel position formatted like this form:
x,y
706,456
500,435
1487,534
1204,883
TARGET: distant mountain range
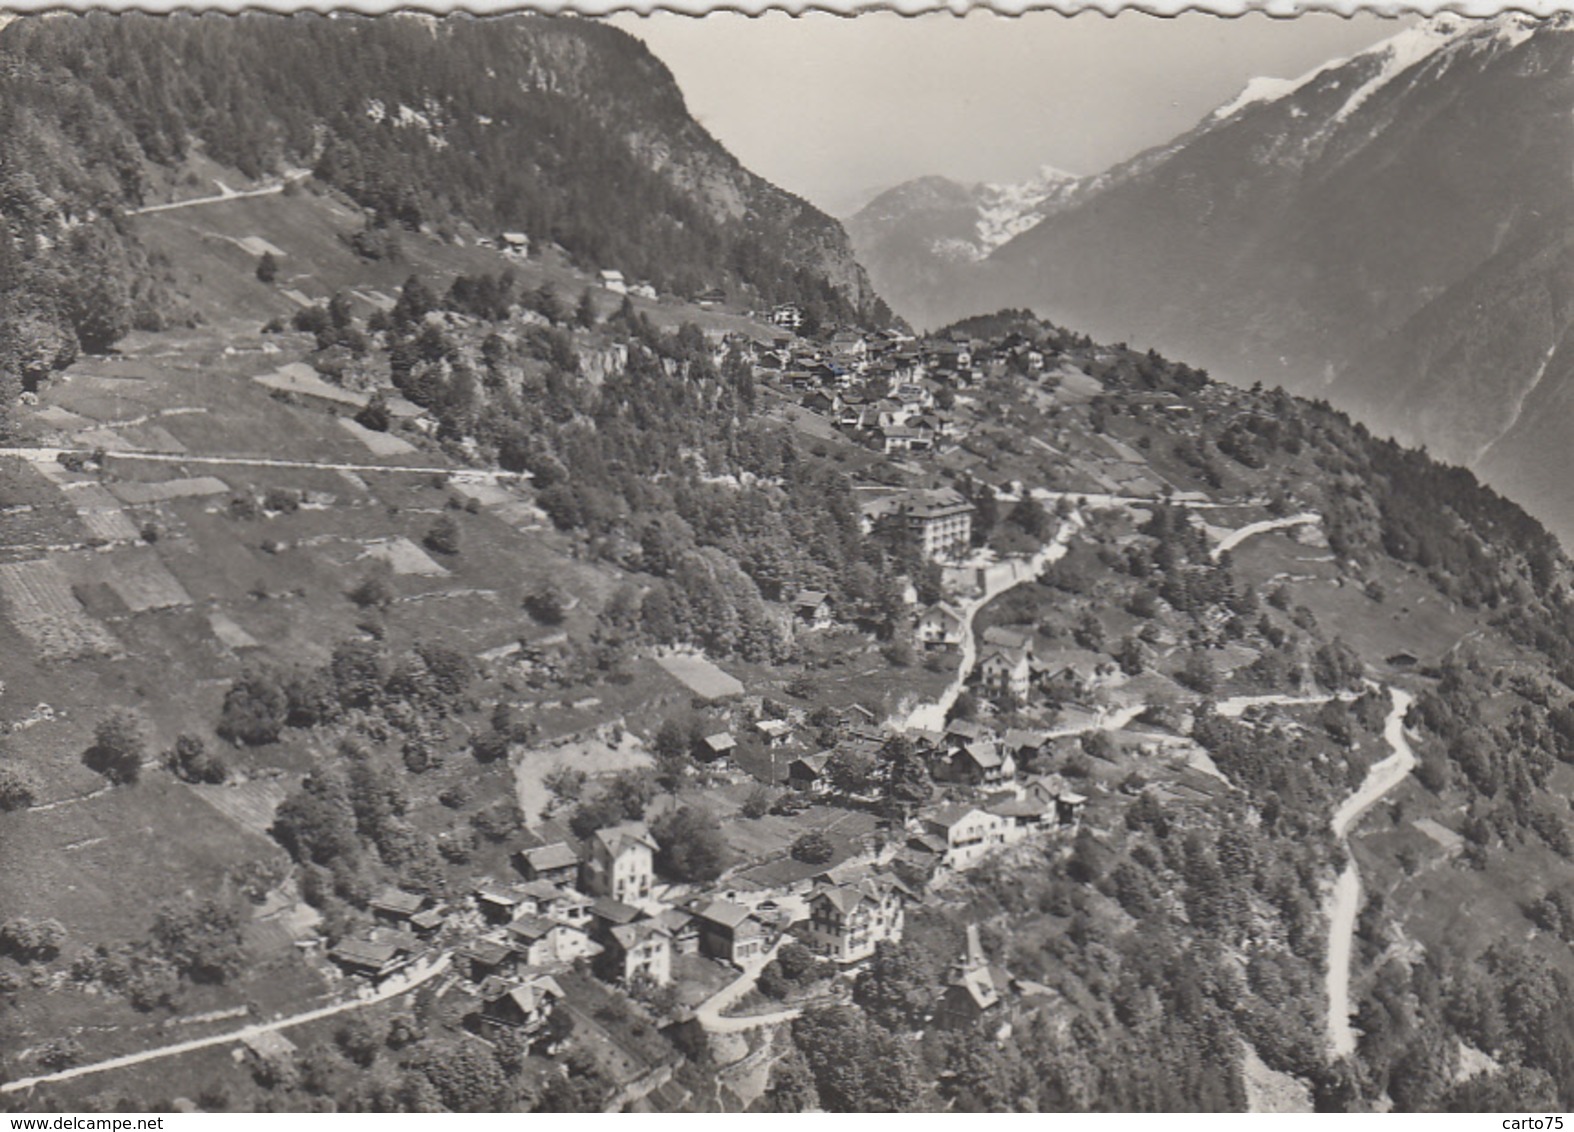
x,y
1393,231
911,238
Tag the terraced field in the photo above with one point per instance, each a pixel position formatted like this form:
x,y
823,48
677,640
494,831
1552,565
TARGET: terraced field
x,y
39,602
101,513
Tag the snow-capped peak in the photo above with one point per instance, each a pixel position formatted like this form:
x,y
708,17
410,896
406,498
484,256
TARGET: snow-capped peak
x,y
1401,52
1005,211
1395,55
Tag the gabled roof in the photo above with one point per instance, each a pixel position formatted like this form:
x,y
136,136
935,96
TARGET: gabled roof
x,y
815,763
979,985
541,891
674,920
949,815
965,728
366,952
529,997
398,901
811,599
846,897
943,609
487,951
1012,658
614,911
1021,739
1007,638
531,927
1017,808
720,742
632,935
558,855
621,837
431,918
983,753
507,897
928,842
722,912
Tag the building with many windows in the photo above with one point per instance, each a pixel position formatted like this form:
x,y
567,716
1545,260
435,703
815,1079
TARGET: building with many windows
x,y
620,862
940,521
846,921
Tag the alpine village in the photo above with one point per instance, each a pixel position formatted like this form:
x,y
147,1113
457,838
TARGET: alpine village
x,y
496,614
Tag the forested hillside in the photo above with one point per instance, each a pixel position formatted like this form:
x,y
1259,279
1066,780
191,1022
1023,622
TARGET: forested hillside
x,y
567,130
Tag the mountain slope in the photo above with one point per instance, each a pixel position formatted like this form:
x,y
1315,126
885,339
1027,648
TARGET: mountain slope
x,y
569,130
1388,231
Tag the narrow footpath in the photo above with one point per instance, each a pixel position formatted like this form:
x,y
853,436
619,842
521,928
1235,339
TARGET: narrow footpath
x,y
394,987
52,455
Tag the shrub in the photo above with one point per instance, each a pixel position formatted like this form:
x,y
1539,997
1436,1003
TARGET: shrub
x,y
202,939
499,821
373,591
692,845
191,761
118,748
18,786
443,537
375,414
564,782
60,1053
898,653
256,709
281,500
547,606
489,746
813,848
30,941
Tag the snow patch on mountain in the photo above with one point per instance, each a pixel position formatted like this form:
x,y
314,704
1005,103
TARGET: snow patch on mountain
x,y
1260,89
1006,211
1396,55
1399,54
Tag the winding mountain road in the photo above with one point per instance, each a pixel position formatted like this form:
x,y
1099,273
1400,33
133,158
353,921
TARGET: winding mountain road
x,y
931,716
1345,901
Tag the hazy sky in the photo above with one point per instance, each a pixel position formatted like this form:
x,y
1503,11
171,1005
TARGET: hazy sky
x,y
837,108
